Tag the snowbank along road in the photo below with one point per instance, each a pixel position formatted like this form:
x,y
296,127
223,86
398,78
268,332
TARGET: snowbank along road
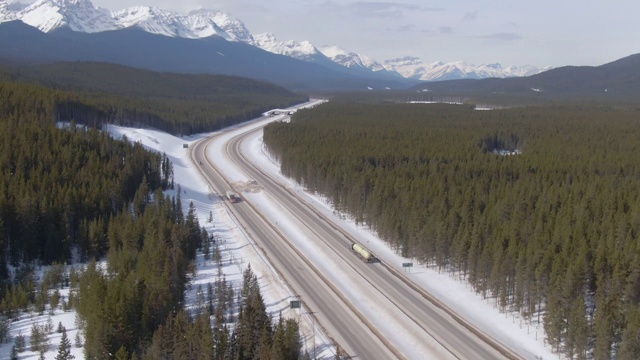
x,y
372,311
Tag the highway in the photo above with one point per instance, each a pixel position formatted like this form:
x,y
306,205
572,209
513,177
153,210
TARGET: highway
x,y
342,317
343,325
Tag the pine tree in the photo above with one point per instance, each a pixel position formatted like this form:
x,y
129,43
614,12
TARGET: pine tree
x,y
293,342
122,354
210,298
37,337
578,329
206,245
220,336
630,345
64,349
204,336
78,339
19,342
4,329
48,326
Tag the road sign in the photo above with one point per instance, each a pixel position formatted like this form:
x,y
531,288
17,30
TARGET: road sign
x,y
295,304
407,264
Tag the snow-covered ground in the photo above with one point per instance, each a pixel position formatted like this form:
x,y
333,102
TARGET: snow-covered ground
x,y
25,323
238,252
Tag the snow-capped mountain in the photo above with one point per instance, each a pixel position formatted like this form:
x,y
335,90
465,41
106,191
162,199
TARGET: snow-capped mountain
x,y
167,23
5,13
414,68
15,5
299,50
78,15
232,26
83,16
350,59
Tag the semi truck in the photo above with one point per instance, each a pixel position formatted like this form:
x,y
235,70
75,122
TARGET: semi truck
x,y
363,252
233,197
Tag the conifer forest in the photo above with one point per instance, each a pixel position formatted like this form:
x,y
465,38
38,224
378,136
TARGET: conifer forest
x,y
536,206
73,192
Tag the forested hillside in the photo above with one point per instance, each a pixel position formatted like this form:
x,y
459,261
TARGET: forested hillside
x,y
97,93
75,190
59,188
536,206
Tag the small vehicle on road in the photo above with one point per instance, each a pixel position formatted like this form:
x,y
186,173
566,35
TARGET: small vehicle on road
x,y
233,197
365,254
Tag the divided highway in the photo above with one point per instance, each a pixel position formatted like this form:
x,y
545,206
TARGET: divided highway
x,y
340,315
344,326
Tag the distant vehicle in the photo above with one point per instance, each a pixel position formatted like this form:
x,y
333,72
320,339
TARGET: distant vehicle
x,y
363,252
233,197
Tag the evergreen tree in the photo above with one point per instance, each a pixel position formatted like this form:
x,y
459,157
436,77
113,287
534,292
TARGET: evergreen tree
x,y
19,342
292,340
204,341
630,345
37,337
4,329
206,245
64,349
220,336
78,340
122,354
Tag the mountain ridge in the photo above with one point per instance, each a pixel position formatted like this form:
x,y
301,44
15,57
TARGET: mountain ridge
x,y
133,47
414,68
619,78
83,16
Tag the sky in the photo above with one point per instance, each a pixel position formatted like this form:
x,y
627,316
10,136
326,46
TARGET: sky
x,y
540,33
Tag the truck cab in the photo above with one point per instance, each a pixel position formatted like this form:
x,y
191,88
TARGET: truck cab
x,y
233,197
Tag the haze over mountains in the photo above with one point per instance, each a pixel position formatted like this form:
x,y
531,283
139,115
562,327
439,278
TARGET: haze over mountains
x,y
617,79
83,16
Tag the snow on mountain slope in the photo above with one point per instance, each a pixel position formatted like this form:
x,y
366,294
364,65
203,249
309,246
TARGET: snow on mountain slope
x,y
83,16
229,24
15,5
5,13
350,59
300,50
414,68
78,15
167,23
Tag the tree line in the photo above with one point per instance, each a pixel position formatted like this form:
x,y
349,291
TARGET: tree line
x,y
58,188
551,232
181,104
